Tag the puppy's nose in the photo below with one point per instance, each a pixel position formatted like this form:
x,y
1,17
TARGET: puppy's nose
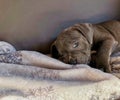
x,y
73,62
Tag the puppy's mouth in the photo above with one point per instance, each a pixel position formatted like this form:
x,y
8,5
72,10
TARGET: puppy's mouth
x,y
73,62
82,60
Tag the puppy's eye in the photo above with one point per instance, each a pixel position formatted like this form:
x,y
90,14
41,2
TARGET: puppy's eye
x,y
76,44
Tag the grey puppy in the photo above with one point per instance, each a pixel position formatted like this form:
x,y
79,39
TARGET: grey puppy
x,y
75,44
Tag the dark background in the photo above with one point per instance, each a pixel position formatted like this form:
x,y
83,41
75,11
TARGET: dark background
x,y
34,24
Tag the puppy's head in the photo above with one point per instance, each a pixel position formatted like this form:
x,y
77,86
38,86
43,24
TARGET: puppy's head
x,y
73,45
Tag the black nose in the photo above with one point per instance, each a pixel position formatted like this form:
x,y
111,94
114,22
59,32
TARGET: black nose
x,y
73,62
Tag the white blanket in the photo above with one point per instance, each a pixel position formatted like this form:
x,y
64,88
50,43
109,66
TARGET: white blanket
x,y
29,75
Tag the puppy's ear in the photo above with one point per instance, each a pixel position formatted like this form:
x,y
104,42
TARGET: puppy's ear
x,y
86,29
54,51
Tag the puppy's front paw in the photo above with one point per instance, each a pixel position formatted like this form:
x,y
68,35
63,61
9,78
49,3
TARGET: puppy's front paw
x,y
105,66
108,69
102,61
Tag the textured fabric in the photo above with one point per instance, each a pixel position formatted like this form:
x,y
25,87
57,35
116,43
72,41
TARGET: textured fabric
x,y
19,82
29,75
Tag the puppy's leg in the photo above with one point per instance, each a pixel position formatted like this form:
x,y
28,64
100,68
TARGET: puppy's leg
x,y
33,58
104,52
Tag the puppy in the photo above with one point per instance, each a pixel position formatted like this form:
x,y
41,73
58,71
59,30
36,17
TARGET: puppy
x,y
75,44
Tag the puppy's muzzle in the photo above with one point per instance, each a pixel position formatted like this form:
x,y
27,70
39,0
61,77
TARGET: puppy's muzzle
x,y
73,62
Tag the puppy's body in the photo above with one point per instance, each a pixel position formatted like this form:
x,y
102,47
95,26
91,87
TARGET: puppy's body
x,y
75,43
106,42
105,30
